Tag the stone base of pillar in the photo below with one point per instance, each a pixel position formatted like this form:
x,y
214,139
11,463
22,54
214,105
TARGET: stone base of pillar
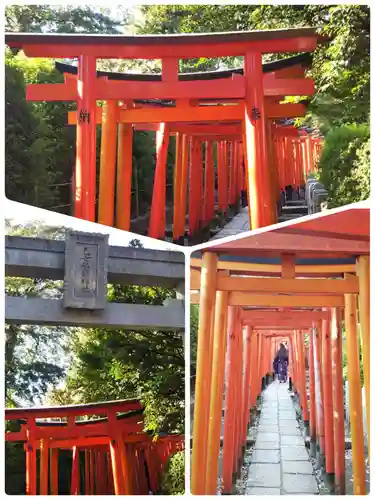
x,y
306,425
313,447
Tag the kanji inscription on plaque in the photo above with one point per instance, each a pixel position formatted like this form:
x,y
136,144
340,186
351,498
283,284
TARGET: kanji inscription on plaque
x,y
85,270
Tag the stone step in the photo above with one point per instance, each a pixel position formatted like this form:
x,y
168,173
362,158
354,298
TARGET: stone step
x,y
300,209
295,203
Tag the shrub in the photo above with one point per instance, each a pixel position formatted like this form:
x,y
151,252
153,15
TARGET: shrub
x,y
344,167
173,481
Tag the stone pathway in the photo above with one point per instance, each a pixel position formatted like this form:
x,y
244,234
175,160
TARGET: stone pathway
x,y
280,463
239,224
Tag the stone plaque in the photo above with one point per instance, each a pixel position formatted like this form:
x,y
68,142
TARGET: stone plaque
x,y
86,261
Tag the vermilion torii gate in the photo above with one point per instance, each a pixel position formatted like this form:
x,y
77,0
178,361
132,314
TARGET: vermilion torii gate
x,y
301,283
248,100
115,454
110,454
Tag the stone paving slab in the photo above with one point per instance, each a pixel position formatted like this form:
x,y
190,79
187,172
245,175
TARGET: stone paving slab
x,y
289,431
297,467
268,436
266,445
268,428
293,452
296,440
266,456
299,483
263,491
266,475
279,438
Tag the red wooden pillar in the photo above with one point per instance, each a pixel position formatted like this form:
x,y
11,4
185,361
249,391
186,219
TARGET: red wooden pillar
x,y
261,212
217,386
230,392
338,402
319,391
199,181
240,396
85,168
246,380
203,372
158,205
54,471
253,367
209,185
124,176
177,187
107,171
44,462
327,401
302,352
312,397
30,447
179,230
74,488
92,471
193,187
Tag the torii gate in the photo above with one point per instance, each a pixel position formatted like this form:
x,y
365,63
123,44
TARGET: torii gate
x,y
301,279
249,91
113,446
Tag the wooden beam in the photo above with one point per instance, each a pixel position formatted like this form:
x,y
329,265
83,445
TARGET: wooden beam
x,y
214,89
188,49
281,285
248,299
184,114
259,316
37,311
276,268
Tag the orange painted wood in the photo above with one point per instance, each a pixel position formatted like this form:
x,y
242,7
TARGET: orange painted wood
x,y
108,164
158,204
253,368
151,115
355,395
213,89
338,402
209,184
194,187
124,176
43,467
177,187
312,391
327,401
85,168
203,373
186,49
75,483
363,273
259,184
217,388
302,375
54,472
320,394
246,383
230,397
184,177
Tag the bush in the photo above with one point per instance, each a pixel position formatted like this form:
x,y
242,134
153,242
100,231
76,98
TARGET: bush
x,y
173,481
344,167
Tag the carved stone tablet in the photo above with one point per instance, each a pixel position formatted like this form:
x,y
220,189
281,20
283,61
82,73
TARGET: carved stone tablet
x,y
86,261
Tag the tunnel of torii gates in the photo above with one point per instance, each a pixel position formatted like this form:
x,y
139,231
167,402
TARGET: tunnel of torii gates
x,y
298,284
228,122
110,455
110,452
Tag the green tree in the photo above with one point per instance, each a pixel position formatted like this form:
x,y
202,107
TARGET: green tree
x,y
118,364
